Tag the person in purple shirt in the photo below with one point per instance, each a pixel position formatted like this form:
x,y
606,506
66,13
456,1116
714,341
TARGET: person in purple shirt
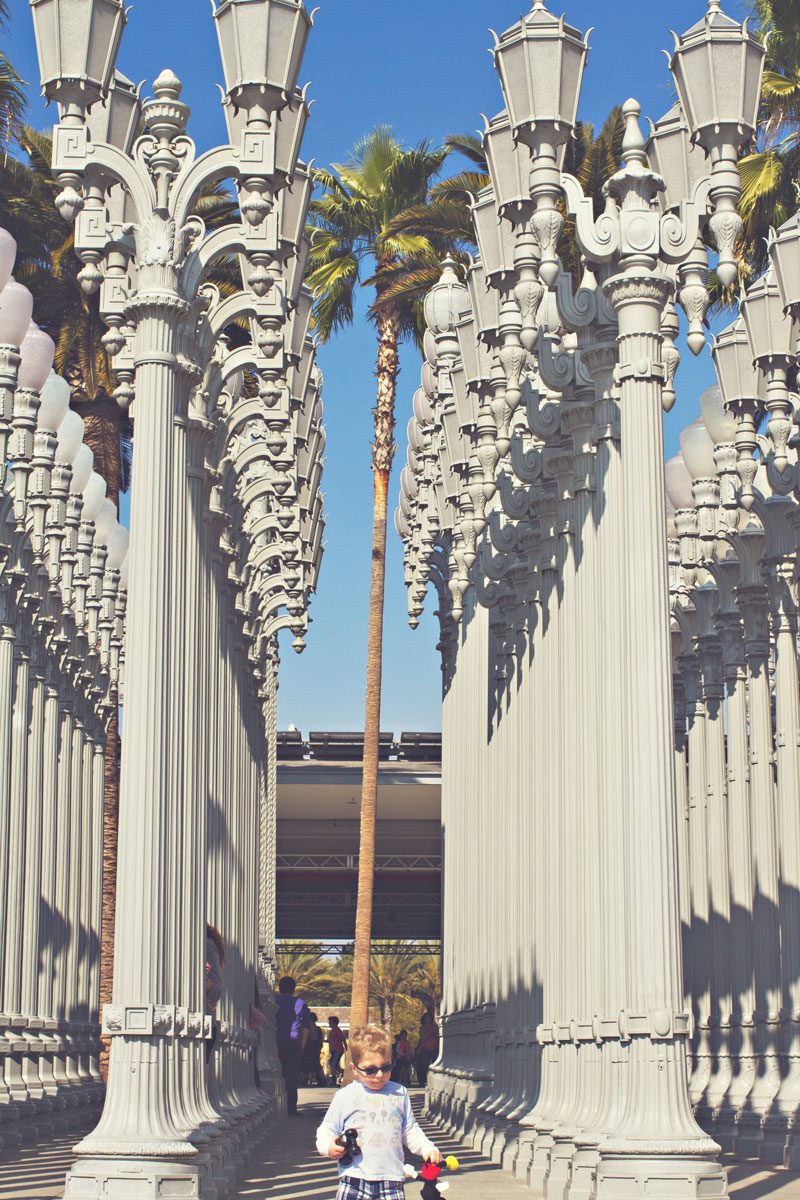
x,y
292,1023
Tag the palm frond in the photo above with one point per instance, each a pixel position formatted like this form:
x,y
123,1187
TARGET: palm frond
x,y
470,146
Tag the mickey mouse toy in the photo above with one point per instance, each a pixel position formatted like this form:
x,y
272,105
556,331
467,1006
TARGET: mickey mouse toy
x,y
429,1174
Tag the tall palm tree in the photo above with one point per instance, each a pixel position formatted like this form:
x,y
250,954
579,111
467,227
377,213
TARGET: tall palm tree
x,y
349,223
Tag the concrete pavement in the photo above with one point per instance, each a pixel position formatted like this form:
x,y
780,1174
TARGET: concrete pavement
x,y
287,1167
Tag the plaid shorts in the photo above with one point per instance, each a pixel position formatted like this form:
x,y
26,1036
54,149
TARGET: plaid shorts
x,y
353,1188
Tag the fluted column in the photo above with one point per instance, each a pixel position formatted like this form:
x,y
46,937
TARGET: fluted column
x,y
7,639
12,972
698,964
752,602
709,653
782,1123
51,847
657,1134
138,1125
741,878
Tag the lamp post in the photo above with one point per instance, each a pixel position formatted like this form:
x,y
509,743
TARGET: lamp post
x,y
139,241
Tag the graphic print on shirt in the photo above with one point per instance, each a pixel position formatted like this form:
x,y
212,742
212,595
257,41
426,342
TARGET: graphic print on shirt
x,y
383,1121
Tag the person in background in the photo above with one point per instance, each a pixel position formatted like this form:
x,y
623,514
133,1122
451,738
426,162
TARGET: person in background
x,y
312,1066
337,1043
291,1031
427,1047
401,1072
215,960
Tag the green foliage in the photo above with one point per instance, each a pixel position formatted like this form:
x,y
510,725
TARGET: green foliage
x,y
353,230
319,978
13,100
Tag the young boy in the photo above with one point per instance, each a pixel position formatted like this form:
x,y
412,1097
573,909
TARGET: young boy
x,y
381,1113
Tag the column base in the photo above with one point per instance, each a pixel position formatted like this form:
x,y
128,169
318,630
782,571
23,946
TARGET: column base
x,y
773,1144
136,1179
623,1176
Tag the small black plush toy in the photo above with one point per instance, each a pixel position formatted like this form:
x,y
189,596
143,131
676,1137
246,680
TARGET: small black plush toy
x,y
348,1139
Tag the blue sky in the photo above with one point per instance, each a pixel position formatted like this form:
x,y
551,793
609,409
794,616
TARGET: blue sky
x,y
422,67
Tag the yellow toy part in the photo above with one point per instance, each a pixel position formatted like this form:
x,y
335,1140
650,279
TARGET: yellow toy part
x,y
451,1163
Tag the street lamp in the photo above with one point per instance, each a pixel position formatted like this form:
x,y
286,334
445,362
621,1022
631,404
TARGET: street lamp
x,y
144,247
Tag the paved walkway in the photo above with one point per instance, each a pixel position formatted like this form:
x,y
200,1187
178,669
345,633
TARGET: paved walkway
x,y
289,1168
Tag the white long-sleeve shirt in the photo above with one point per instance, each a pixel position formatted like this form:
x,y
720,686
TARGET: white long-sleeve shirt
x,y
384,1121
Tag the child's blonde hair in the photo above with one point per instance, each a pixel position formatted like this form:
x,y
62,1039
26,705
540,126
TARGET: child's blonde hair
x,y
369,1039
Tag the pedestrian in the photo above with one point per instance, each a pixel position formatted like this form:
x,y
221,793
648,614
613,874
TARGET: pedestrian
x,y
337,1044
312,1054
380,1112
427,1046
291,1032
215,960
402,1059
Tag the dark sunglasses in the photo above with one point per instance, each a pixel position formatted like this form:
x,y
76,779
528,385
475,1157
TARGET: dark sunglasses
x,y
382,1069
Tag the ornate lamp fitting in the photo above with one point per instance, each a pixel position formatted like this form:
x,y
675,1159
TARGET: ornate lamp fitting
x,y
116,120
77,45
672,154
509,162
772,337
261,44
717,67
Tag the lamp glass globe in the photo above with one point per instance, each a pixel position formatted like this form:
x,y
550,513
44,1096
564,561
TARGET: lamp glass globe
x,y
93,496
81,469
721,425
697,450
8,255
70,438
678,483
53,403
16,306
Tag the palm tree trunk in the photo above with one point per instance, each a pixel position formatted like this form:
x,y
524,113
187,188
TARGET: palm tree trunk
x,y
382,454
102,434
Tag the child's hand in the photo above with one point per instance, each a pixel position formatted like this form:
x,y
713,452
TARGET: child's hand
x,y
435,1156
336,1151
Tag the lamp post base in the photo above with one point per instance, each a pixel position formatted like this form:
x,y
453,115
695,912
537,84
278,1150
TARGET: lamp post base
x,y
137,1179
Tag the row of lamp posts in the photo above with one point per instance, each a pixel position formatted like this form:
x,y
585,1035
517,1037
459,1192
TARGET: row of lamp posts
x,y
533,499
63,584
225,549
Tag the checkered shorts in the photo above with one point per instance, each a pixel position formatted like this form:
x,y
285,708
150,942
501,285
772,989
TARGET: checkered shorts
x,y
353,1188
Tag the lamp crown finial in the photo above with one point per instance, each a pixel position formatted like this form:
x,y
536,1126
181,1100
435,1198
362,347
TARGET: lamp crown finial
x,y
167,86
633,147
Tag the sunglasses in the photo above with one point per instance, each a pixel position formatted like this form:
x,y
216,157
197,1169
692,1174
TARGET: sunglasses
x,y
371,1071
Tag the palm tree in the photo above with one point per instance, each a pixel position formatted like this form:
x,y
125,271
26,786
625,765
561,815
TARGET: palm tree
x,y
349,225
395,971
444,218
12,95
313,972
427,985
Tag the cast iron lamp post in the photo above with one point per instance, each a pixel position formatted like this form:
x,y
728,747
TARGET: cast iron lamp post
x,y
133,203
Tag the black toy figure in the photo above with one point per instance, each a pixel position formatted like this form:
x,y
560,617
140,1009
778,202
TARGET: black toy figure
x,y
349,1139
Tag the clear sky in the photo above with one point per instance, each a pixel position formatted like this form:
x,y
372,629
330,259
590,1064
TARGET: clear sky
x,y
423,67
